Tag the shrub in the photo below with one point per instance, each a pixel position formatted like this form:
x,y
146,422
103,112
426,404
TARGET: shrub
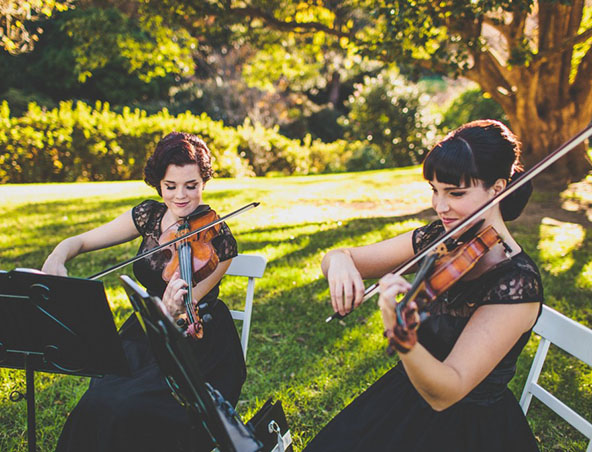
x,y
75,142
470,105
386,112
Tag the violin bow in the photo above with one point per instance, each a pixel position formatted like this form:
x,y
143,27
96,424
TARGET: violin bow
x,y
525,177
175,240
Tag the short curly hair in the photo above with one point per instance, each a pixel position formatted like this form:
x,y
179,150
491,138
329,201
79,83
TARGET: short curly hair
x,y
177,148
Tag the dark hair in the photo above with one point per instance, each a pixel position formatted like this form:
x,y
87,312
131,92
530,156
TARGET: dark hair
x,y
486,150
177,148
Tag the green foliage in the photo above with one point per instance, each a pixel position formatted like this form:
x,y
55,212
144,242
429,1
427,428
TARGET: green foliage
x,y
277,61
386,111
17,19
470,105
100,54
19,100
147,48
75,141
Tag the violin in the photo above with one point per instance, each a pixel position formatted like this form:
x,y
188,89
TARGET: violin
x,y
195,258
437,273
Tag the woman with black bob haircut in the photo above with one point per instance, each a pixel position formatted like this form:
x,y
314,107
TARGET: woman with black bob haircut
x,y
496,156
139,413
448,392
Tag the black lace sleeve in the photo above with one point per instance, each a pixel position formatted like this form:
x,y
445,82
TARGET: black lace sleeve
x,y
425,235
517,282
225,244
144,216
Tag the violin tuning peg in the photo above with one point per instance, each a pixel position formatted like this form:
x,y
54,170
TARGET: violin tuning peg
x,y
507,249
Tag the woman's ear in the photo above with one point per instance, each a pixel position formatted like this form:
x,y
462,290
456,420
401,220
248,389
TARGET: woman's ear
x,y
498,186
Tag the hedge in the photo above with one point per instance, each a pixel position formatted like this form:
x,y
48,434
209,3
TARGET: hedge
x,y
79,142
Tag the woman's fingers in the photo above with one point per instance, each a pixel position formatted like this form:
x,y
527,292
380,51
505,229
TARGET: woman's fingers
x,y
346,294
358,291
392,285
174,293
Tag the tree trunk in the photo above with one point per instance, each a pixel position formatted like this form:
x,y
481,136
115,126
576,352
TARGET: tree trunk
x,y
334,89
543,119
543,124
540,138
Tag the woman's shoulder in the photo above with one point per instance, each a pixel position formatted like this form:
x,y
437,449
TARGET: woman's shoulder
x,y
424,235
517,280
146,215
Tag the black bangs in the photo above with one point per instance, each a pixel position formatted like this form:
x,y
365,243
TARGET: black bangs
x,y
451,161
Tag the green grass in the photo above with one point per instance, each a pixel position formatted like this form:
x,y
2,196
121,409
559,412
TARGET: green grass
x,y
314,368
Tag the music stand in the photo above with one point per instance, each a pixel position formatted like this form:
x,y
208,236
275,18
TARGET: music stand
x,y
176,357
56,324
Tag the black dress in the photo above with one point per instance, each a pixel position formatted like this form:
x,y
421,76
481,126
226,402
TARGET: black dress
x,y
392,416
139,413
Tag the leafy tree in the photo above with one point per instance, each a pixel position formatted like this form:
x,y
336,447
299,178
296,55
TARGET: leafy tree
x,y
534,58
17,17
100,54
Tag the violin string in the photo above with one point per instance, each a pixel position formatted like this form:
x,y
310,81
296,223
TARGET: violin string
x,y
185,266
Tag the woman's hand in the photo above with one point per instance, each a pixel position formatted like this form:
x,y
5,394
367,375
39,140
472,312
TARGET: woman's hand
x,y
173,295
54,265
345,282
401,337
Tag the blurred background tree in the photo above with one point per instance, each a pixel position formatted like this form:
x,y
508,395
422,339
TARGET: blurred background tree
x,y
18,31
301,66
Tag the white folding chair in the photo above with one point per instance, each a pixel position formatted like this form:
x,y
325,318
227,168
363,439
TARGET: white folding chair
x,y
575,339
251,266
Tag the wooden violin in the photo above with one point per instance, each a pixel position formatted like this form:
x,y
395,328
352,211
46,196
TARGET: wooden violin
x,y
175,240
437,273
195,258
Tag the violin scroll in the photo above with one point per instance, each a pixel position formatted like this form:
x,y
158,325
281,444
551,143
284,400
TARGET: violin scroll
x,y
403,337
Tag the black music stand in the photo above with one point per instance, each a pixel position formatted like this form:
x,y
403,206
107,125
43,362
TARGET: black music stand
x,y
55,324
176,357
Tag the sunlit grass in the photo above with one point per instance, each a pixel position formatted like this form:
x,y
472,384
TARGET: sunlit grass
x,y
557,242
584,279
314,368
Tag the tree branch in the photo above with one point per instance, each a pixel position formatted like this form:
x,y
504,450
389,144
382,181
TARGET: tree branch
x,y
565,45
581,87
273,22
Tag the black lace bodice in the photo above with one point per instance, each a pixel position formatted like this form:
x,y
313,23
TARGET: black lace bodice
x,y
516,280
147,217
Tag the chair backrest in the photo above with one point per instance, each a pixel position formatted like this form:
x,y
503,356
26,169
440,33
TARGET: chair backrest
x,y
251,266
575,339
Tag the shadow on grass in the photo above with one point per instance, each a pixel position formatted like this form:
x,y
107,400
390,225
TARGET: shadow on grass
x,y
315,368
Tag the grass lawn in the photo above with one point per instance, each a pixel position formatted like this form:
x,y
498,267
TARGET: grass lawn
x,y
314,368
